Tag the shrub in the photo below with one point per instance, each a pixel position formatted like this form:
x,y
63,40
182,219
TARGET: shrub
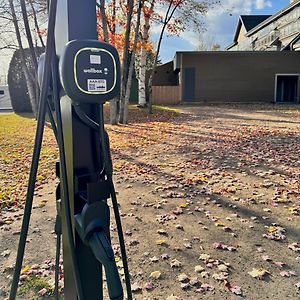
x,y
17,85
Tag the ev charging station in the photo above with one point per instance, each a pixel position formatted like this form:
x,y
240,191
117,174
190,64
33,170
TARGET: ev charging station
x,y
84,73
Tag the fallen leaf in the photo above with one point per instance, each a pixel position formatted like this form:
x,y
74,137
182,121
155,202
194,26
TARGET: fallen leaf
x,y
162,232
275,233
175,263
236,290
161,243
204,256
266,258
223,268
177,211
294,247
219,224
194,281
154,259
188,245
5,253
149,286
172,297
205,288
205,274
183,277
258,273
199,269
42,292
25,269
220,276
155,275
287,273
294,210
164,256
135,287
185,285
279,264
223,247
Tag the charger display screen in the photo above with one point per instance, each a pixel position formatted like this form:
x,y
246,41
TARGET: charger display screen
x,y
94,71
90,71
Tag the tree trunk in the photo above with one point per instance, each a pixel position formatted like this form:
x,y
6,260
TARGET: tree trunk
x,y
29,82
153,71
113,104
143,58
32,51
131,66
29,37
36,24
104,21
125,59
169,14
142,77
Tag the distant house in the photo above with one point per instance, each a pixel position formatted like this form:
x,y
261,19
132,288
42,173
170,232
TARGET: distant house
x,y
280,31
228,76
251,71
5,103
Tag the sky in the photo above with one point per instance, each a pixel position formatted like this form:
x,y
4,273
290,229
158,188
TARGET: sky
x,y
220,25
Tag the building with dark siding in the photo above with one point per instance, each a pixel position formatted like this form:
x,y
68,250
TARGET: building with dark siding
x,y
251,74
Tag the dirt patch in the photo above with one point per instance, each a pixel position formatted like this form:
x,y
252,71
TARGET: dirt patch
x,y
205,199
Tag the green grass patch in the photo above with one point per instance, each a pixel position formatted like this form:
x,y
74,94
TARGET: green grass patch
x,y
16,147
35,284
17,141
167,108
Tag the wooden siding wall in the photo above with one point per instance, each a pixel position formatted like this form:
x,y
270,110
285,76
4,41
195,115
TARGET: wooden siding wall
x,y
166,94
242,76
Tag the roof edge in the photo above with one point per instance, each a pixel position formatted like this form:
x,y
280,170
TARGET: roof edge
x,y
272,18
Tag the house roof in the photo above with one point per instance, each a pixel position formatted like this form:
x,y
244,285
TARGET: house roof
x,y
273,18
252,21
249,23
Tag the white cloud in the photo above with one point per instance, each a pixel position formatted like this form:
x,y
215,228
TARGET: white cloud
x,y
221,21
261,4
220,24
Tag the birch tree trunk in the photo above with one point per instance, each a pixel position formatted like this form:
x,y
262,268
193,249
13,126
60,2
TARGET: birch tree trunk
x,y
30,83
142,78
143,58
130,4
113,104
131,65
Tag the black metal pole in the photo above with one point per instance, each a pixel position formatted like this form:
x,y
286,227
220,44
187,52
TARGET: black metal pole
x,y
76,19
36,154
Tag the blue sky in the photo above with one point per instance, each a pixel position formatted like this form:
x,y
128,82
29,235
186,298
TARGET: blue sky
x,y
221,24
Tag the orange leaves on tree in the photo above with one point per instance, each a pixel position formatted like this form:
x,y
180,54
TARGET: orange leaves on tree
x,y
41,32
148,12
116,22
